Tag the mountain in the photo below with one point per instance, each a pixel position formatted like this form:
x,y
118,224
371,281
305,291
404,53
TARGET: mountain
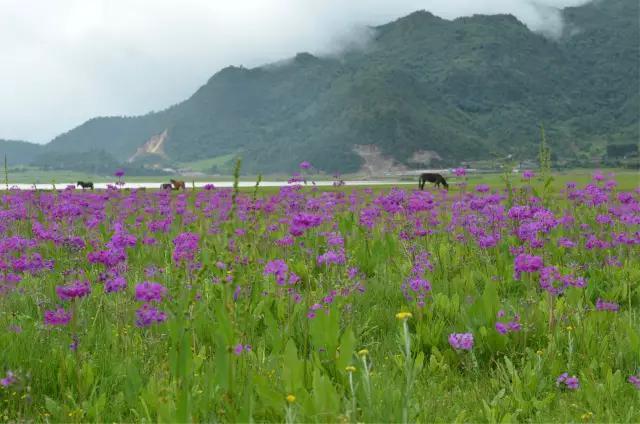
x,y
19,152
424,90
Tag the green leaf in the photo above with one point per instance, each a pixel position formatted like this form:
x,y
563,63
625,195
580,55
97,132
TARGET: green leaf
x,y
347,347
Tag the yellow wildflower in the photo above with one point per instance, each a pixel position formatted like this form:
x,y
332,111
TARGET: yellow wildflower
x,y
291,398
587,416
403,315
363,352
350,368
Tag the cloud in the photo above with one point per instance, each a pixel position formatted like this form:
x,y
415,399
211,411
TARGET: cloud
x,y
66,61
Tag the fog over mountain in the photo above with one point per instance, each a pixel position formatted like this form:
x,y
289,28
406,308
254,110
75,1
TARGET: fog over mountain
x,y
67,61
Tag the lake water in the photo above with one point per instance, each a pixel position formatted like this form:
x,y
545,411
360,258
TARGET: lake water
x,y
216,184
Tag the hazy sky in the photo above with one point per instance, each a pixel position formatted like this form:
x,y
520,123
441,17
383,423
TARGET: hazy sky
x,y
65,61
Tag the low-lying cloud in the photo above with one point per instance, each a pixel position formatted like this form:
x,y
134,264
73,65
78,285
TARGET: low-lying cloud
x,y
66,61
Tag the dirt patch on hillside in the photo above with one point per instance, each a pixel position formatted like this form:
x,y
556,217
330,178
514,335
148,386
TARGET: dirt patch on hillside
x,y
424,157
153,146
375,163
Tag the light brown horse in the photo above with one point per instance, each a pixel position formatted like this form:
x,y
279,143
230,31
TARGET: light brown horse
x,y
177,185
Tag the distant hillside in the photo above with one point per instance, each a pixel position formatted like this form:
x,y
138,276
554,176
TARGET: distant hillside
x,y
19,152
425,87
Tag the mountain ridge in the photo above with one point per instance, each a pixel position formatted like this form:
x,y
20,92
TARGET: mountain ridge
x,y
462,88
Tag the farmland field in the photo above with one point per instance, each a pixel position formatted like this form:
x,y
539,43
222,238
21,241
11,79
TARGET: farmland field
x,y
301,304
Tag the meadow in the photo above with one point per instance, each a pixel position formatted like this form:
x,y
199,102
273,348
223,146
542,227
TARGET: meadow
x,y
509,300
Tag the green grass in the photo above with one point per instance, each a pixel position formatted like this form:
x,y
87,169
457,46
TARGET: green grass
x,y
185,369
204,165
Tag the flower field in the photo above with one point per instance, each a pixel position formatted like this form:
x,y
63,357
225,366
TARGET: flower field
x,y
479,304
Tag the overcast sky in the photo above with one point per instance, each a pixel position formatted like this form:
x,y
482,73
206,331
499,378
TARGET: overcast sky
x,y
65,61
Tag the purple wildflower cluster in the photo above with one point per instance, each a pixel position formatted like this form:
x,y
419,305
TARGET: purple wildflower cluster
x,y
566,382
461,341
115,284
528,175
416,287
186,247
602,305
336,254
57,317
147,314
527,264
460,172
149,291
74,290
552,281
8,379
503,327
239,348
280,270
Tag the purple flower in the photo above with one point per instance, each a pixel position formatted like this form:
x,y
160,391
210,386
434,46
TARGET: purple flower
x,y
149,291
334,239
147,315
332,257
305,165
461,341
564,381
562,378
74,343
115,284
119,173
186,246
565,242
482,188
416,288
285,241
15,328
57,317
8,380
237,350
506,327
312,310
352,272
635,380
527,174
601,305
527,263
279,269
459,172
488,241
514,325
276,266
572,383
73,290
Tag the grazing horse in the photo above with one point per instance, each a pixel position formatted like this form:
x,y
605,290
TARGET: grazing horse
x,y
178,184
432,178
166,186
85,184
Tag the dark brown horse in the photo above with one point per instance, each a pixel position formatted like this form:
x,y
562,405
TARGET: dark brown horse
x,y
432,178
178,184
85,184
166,186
